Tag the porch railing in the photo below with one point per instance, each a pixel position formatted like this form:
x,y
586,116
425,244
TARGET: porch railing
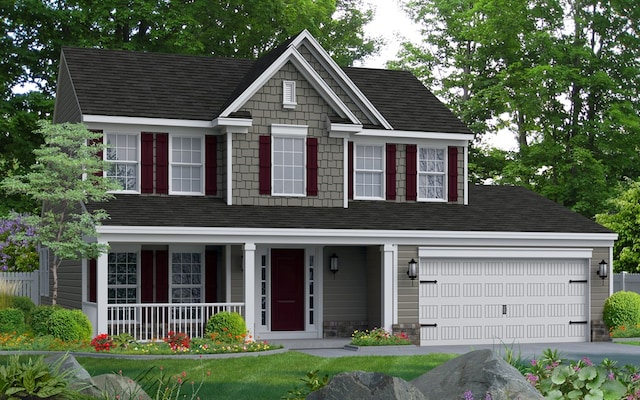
x,y
148,322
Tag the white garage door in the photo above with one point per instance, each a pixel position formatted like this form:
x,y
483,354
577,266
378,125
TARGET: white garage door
x,y
494,301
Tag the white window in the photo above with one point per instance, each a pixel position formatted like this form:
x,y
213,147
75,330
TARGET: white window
x,y
122,156
122,277
288,165
431,173
186,165
289,94
369,171
186,277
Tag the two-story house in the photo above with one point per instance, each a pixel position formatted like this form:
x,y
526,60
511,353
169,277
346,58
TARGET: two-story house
x,y
314,200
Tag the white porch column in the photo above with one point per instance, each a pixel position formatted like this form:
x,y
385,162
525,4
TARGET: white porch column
x,y
249,286
102,299
388,285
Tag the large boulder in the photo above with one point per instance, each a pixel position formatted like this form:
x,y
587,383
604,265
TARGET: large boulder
x,y
114,386
68,366
480,372
359,385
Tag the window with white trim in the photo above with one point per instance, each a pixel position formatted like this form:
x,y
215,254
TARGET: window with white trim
x,y
186,277
186,165
122,157
122,278
288,165
431,173
289,94
369,171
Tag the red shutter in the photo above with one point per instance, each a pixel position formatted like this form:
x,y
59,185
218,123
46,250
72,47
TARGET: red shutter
x,y
162,163
93,272
211,276
453,174
412,172
146,163
99,154
265,164
391,172
162,276
350,167
211,165
312,166
146,276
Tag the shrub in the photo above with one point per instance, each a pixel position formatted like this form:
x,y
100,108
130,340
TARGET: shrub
x,y
622,308
39,319
69,325
178,341
102,342
227,327
25,304
32,380
378,337
12,320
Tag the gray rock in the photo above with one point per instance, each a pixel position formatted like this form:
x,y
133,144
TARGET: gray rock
x,y
359,385
68,366
112,385
480,372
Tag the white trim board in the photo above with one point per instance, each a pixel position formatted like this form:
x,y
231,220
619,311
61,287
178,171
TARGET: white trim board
x,y
496,252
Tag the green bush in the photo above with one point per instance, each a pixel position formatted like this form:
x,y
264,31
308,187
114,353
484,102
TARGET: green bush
x,y
12,320
69,325
622,308
228,327
39,319
32,380
25,304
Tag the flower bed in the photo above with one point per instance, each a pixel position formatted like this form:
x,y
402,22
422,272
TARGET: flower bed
x,y
378,337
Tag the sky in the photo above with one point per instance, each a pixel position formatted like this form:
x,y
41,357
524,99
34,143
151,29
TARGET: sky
x,y
393,25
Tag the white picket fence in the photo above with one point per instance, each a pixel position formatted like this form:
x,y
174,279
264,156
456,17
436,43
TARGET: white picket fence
x,y
627,282
28,283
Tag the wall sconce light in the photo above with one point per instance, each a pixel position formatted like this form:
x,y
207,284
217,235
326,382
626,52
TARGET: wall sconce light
x,y
333,264
603,270
412,271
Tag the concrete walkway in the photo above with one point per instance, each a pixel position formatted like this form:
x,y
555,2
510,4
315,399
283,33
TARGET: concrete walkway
x,y
596,351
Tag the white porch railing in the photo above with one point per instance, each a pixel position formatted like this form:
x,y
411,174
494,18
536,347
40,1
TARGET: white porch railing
x,y
27,283
148,322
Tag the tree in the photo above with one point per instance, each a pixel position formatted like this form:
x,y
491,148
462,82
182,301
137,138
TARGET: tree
x,y
559,74
623,217
66,175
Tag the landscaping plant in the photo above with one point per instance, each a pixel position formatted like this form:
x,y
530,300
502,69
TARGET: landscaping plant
x,y
17,248
622,308
11,320
31,379
8,290
378,337
226,327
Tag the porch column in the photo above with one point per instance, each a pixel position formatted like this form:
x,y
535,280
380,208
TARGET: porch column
x,y
388,286
249,286
102,298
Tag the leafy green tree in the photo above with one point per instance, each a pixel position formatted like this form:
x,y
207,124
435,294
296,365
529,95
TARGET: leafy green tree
x,y
561,76
623,217
65,176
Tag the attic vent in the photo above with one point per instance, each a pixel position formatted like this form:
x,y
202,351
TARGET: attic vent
x,y
289,94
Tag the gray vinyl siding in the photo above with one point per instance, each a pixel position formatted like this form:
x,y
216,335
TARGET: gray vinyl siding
x,y
407,289
69,285
345,297
66,108
266,109
599,287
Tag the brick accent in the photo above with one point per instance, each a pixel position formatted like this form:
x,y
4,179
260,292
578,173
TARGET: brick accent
x,y
333,329
599,332
411,330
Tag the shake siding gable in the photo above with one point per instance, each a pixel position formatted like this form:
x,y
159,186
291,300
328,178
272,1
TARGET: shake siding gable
x,y
391,171
146,184
453,174
412,172
211,165
162,163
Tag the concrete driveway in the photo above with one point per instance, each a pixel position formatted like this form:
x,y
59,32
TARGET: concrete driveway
x,y
596,351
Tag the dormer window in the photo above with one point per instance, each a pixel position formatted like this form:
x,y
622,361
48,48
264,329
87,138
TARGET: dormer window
x,y
289,94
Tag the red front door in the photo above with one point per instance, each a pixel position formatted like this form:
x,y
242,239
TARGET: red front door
x,y
287,290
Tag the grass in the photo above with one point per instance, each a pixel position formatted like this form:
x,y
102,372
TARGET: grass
x,y
262,377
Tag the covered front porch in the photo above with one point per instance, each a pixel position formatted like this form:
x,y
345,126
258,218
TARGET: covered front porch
x,y
283,290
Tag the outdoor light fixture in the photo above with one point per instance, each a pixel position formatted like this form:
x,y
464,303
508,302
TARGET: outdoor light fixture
x,y
333,264
603,270
412,271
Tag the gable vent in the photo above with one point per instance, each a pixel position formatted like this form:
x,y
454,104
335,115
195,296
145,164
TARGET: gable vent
x,y
289,94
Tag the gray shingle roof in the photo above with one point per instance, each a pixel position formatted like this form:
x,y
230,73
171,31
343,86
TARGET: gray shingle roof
x,y
153,85
491,209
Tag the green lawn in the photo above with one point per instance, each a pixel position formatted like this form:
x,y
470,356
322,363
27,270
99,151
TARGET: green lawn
x,y
262,377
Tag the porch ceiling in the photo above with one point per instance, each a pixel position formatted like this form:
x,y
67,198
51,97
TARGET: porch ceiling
x,y
491,209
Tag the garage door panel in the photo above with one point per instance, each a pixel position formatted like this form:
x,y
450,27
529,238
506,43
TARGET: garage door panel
x,y
487,301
